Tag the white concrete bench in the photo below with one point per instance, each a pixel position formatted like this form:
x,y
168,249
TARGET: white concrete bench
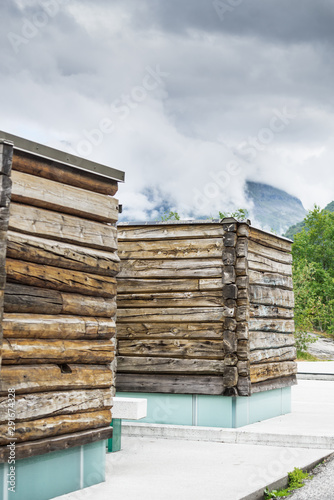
x,y
125,408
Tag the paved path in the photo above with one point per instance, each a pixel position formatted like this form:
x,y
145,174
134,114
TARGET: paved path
x,y
321,486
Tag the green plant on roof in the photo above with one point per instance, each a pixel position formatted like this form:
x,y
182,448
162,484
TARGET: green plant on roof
x,y
296,480
170,216
239,214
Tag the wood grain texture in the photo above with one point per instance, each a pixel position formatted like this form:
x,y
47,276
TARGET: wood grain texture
x,y
182,348
42,326
62,227
169,330
259,263
41,378
269,252
66,280
151,364
56,426
140,285
161,268
169,231
171,299
277,383
63,442
269,240
175,314
267,371
36,300
270,312
44,193
65,174
170,384
272,325
265,340
273,355
49,404
271,296
270,279
44,351
171,249
58,254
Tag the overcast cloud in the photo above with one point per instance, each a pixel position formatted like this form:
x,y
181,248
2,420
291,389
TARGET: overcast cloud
x,y
189,97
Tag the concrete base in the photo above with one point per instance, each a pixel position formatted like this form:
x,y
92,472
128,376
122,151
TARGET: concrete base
x,y
214,411
47,476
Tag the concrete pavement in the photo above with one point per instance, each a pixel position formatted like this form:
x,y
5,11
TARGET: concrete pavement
x,y
224,464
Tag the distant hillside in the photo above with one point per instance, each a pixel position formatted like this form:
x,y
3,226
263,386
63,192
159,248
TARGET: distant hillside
x,y
274,209
296,228
330,206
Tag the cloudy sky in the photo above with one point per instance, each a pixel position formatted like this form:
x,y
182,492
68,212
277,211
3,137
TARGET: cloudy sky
x,y
189,97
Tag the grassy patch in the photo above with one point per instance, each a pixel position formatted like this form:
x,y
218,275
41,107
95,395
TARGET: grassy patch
x,y
296,480
306,356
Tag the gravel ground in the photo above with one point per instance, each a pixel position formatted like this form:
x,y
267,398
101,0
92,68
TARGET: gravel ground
x,y
321,486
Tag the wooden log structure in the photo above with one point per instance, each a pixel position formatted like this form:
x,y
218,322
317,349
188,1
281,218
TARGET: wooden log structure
x,y
204,307
58,268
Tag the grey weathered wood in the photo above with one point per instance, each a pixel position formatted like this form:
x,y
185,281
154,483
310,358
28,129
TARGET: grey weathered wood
x,y
62,227
170,384
171,299
151,364
265,340
261,311
139,285
266,371
169,330
269,252
173,314
270,240
270,279
271,296
277,383
44,193
271,355
258,263
272,325
182,348
161,268
169,231
47,404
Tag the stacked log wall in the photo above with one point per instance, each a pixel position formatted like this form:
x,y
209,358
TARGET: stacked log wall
x,y
271,324
59,306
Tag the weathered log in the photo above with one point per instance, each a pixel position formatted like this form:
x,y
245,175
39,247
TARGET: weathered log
x,y
41,378
209,349
243,229
60,279
159,268
230,239
259,263
243,368
169,330
277,383
169,231
242,330
173,314
265,340
207,248
229,256
272,355
270,279
241,267
65,174
242,247
266,371
52,195
271,296
139,285
19,326
272,325
260,311
58,254
137,364
269,252
244,386
36,300
170,384
56,226
270,240
243,350
230,378
49,445
50,404
55,426
41,351
229,342
228,275
171,299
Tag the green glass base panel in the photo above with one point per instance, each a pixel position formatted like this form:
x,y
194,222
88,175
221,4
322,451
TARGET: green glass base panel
x,y
115,443
54,474
214,411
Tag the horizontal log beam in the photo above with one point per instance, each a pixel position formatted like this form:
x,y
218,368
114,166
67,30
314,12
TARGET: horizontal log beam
x,y
271,253
267,371
263,264
270,312
270,279
180,314
209,349
265,340
171,299
169,231
264,295
169,330
160,268
41,378
65,280
36,300
170,384
273,355
49,445
62,227
58,254
272,325
150,364
139,285
38,326
43,351
277,383
65,174
55,426
269,240
207,248
49,404
43,193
